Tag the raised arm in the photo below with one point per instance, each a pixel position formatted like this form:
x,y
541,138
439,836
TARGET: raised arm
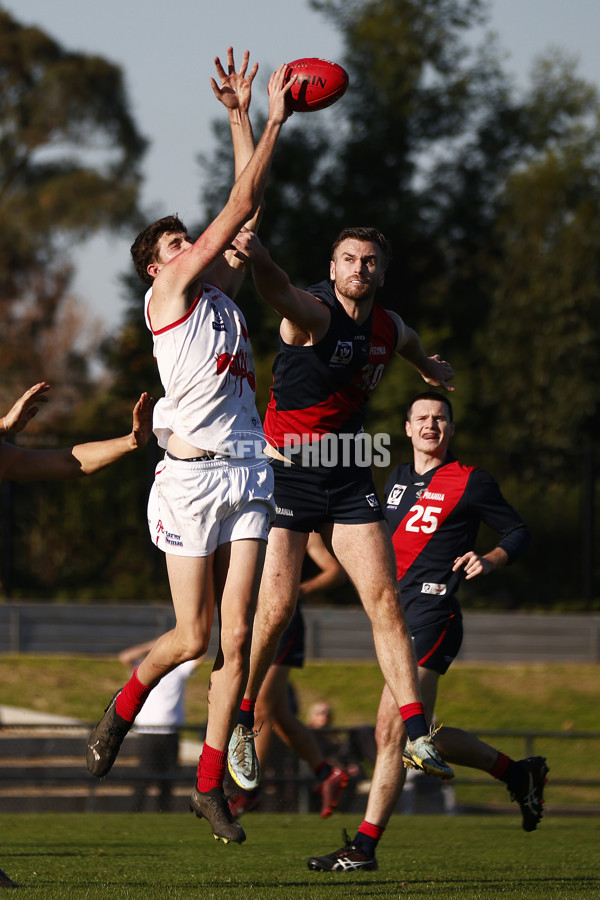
x,y
19,464
305,318
171,279
234,91
435,371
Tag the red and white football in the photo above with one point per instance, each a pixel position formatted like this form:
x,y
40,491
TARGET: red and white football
x,y
317,83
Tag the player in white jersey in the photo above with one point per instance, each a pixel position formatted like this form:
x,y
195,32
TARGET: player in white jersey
x,y
211,503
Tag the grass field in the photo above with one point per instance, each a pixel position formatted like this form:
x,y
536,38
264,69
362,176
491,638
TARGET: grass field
x,y
152,856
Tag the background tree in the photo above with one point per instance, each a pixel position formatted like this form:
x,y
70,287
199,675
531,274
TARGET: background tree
x,y
70,156
69,166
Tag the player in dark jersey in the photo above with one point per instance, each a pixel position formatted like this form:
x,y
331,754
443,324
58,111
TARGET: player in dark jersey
x,y
434,507
335,341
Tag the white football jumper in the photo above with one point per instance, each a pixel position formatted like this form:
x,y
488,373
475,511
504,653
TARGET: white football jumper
x,y
207,371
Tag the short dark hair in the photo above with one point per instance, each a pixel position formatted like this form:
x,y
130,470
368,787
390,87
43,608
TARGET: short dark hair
x,y
365,233
431,395
143,249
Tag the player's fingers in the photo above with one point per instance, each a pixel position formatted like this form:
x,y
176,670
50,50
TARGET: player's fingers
x,y
216,89
230,62
219,67
245,61
253,72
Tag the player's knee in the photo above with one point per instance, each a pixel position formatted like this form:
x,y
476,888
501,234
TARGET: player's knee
x,y
389,731
235,643
383,606
192,645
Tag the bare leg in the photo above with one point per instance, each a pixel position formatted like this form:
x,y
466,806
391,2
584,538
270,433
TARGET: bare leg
x,y
190,580
273,708
455,746
276,601
238,569
366,553
389,774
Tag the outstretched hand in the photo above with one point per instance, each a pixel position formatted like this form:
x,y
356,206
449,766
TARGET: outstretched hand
x,y
439,373
142,421
24,409
247,246
277,89
235,89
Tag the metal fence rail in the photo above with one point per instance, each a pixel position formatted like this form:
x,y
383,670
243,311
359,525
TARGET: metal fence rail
x,y
334,633
42,769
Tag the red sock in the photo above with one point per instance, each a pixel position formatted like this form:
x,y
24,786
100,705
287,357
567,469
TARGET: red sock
x,y
413,716
131,698
211,768
372,831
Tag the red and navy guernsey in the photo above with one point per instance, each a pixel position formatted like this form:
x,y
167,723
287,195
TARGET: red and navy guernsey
x,y
324,388
434,518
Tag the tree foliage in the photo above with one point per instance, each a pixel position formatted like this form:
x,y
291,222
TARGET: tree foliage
x,y
69,165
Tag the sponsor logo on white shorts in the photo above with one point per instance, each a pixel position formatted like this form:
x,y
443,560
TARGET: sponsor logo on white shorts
x,y
173,539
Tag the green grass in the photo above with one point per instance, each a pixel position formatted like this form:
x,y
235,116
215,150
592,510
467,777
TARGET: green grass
x,y
142,856
542,695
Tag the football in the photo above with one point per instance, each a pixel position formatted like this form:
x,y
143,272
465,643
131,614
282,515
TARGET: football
x,y
317,83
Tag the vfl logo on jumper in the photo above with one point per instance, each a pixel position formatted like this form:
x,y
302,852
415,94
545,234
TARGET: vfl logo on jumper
x,y
236,366
218,324
395,496
342,355
437,589
372,501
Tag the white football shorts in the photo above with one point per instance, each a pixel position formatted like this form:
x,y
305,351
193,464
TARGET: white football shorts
x,y
196,506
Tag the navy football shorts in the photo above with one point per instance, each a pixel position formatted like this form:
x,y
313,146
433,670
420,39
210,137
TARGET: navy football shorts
x,y
307,498
291,645
437,643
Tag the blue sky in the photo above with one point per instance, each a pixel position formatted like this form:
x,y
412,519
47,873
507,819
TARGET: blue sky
x,y
166,51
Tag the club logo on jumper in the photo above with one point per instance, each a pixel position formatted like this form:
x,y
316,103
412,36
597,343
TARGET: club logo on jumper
x,y
282,511
342,355
437,589
236,366
372,501
218,324
395,496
